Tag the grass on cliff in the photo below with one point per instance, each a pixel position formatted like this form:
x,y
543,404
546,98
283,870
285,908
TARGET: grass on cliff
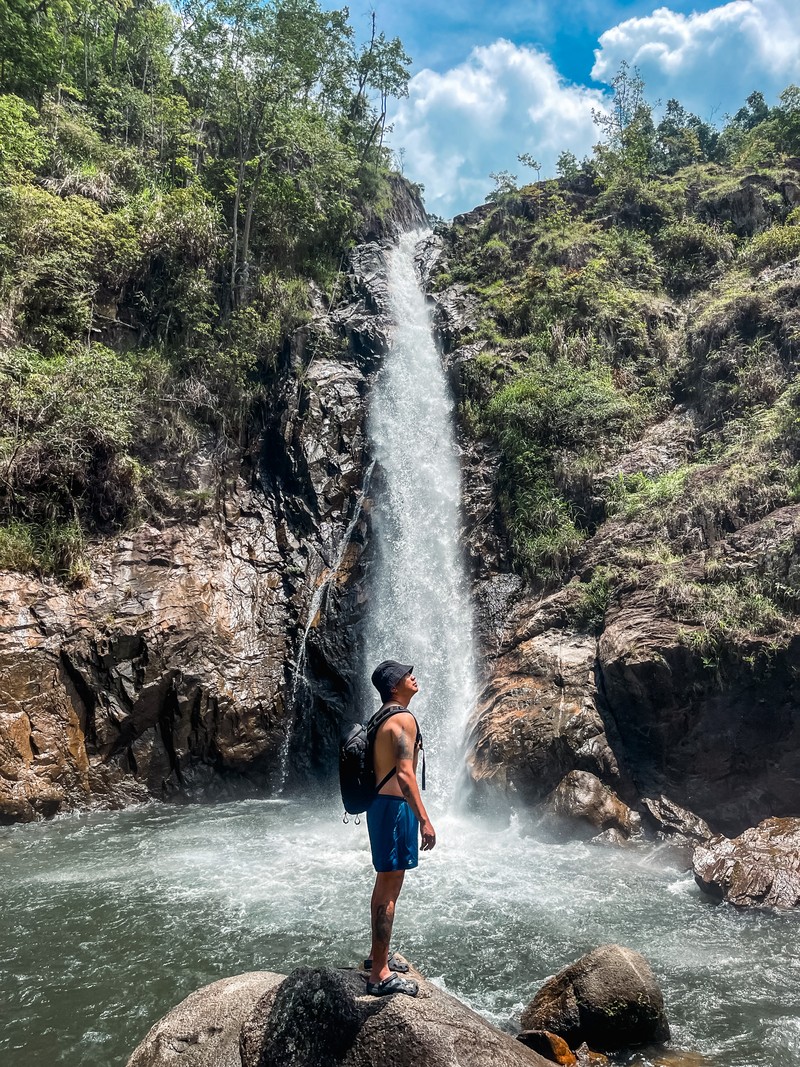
x,y
603,310
549,421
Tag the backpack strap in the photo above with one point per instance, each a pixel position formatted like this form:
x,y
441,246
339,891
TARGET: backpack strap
x,y
385,779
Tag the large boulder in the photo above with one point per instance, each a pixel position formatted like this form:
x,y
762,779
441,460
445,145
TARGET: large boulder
x,y
582,806
608,999
760,868
323,1018
203,1030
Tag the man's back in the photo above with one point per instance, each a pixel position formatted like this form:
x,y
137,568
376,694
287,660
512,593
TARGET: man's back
x,y
396,739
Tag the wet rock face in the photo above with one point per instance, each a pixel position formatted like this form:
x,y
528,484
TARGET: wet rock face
x,y
608,999
537,717
724,750
581,806
760,868
168,662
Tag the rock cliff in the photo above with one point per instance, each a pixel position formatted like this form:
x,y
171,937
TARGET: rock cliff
x,y
215,648
659,656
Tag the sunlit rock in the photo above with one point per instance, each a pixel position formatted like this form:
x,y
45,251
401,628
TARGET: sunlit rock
x,y
609,999
760,868
322,1018
203,1030
582,806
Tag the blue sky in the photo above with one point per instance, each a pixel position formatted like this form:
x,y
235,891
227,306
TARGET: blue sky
x,y
492,80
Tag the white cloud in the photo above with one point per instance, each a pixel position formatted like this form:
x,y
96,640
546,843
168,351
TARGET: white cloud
x,y
458,126
711,61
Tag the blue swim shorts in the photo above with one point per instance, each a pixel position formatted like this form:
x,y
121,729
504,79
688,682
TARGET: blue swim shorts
x,y
393,834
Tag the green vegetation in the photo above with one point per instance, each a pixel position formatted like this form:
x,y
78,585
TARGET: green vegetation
x,y
660,277
173,179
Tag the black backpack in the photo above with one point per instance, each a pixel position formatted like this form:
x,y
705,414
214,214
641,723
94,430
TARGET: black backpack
x,y
356,769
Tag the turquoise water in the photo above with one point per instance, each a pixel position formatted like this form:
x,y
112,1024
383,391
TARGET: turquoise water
x,y
110,919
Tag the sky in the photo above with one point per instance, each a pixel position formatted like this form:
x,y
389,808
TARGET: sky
x,y
491,81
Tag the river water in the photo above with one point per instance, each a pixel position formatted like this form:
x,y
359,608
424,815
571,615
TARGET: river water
x,y
110,919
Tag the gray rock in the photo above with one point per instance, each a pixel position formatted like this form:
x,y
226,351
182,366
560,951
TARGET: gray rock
x,y
586,806
203,1030
760,868
609,999
323,1018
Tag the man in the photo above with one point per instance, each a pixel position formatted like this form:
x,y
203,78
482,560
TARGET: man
x,y
393,819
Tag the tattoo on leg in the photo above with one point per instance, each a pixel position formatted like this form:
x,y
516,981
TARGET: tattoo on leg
x,y
383,922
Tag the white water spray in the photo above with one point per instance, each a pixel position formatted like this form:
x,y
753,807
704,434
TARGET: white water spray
x,y
419,608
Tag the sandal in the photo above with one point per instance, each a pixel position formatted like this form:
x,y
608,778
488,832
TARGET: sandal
x,y
393,984
395,964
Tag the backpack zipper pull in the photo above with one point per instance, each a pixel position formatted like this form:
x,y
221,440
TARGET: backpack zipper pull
x,y
345,819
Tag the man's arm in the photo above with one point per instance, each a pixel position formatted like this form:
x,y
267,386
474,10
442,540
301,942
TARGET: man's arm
x,y
405,735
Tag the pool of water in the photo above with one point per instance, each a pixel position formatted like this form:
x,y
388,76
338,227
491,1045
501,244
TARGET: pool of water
x,y
110,919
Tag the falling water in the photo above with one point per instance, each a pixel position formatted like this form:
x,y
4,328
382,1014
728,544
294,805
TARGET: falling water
x,y
419,609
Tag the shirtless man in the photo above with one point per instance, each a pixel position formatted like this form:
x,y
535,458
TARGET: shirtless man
x,y
393,819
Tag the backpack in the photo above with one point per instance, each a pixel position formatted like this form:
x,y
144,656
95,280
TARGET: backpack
x,y
356,769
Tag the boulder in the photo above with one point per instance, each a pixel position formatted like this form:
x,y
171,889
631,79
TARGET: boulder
x,y
203,1030
608,999
677,827
537,717
583,806
760,868
674,822
323,1018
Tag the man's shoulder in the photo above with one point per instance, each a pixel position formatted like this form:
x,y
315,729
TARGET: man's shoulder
x,y
398,718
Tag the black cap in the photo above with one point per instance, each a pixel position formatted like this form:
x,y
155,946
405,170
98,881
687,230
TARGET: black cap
x,y
387,674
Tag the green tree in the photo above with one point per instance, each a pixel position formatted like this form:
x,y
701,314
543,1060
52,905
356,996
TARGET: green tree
x,y
627,130
567,166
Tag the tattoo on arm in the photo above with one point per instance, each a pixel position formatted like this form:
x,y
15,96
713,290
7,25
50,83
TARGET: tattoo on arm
x,y
403,749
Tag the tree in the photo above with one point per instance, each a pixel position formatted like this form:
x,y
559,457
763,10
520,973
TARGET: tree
x,y
567,166
682,138
527,160
382,69
505,183
626,129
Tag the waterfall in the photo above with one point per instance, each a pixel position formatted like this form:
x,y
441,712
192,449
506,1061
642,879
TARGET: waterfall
x,y
419,608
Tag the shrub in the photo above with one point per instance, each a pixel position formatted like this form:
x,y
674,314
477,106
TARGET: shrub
x,y
68,424
551,408
692,253
23,148
774,246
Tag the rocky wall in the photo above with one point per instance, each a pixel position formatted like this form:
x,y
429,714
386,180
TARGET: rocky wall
x,y
220,646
